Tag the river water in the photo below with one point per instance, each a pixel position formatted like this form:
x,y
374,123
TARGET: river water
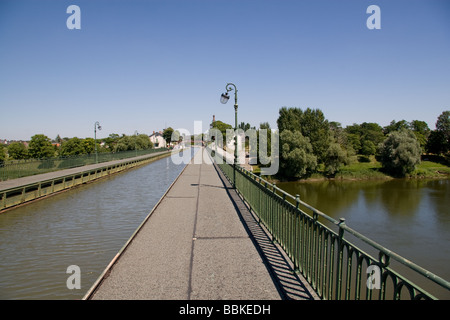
x,y
409,217
85,227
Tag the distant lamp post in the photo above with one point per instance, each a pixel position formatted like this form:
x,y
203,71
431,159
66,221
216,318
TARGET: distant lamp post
x,y
135,140
224,99
96,126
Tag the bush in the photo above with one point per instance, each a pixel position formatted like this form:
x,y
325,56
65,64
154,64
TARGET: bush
x,y
335,158
400,152
296,158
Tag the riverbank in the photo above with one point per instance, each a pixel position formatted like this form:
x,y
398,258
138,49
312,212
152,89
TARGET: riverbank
x,y
372,171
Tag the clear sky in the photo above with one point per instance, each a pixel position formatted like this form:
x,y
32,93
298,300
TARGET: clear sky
x,y
144,65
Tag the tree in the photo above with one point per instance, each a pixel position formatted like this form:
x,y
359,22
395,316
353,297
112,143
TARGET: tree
x,y
111,141
244,126
264,141
17,150
396,126
368,148
289,119
296,159
89,145
443,126
311,123
335,158
421,131
167,134
436,143
2,154
400,152
40,147
72,147
222,127
143,142
124,143
314,126
443,123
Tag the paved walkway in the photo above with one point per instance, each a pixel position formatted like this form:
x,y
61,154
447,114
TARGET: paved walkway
x,y
201,243
13,183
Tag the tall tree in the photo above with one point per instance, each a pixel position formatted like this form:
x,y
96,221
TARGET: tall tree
x,y
167,134
314,126
289,119
296,159
335,158
400,152
443,126
17,150
40,147
72,147
311,123
421,131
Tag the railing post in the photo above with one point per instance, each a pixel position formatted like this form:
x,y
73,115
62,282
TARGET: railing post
x,y
340,258
296,236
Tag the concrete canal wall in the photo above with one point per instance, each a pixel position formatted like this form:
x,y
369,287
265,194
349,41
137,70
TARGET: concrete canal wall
x,y
24,190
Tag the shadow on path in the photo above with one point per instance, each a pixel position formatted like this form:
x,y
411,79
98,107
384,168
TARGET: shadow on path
x,y
290,285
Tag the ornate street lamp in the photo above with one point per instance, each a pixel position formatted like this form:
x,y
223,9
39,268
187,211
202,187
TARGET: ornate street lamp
x,y
96,126
224,99
135,141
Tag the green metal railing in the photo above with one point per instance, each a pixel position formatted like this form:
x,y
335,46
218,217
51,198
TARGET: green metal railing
x,y
22,168
334,267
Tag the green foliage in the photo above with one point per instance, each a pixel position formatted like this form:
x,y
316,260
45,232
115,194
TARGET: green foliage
x,y
2,154
134,142
400,152
443,126
436,143
335,158
365,137
40,147
111,141
396,126
72,147
289,119
311,123
167,134
368,148
297,159
17,150
222,127
89,145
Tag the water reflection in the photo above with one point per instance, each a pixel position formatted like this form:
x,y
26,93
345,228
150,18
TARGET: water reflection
x,y
410,217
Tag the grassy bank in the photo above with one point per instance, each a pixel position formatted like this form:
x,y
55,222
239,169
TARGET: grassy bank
x,y
373,170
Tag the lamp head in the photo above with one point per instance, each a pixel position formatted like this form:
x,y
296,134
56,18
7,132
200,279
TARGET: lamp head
x,y
224,98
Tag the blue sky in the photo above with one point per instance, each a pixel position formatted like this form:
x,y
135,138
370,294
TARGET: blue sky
x,y
144,65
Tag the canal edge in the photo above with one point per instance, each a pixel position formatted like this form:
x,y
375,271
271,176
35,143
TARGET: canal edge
x,y
28,197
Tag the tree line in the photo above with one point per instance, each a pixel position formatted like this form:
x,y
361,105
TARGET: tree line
x,y
310,143
40,146
308,140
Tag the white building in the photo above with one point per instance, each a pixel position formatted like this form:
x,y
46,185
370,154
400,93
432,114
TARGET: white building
x,y
157,139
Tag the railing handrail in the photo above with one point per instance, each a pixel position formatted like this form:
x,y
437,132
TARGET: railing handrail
x,y
342,225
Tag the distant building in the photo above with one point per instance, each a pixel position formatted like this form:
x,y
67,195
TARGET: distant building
x,y
157,139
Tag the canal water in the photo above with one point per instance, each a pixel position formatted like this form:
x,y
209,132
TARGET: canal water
x,y
409,217
85,227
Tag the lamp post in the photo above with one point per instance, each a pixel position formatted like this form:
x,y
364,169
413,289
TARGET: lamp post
x,y
224,99
96,125
135,140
